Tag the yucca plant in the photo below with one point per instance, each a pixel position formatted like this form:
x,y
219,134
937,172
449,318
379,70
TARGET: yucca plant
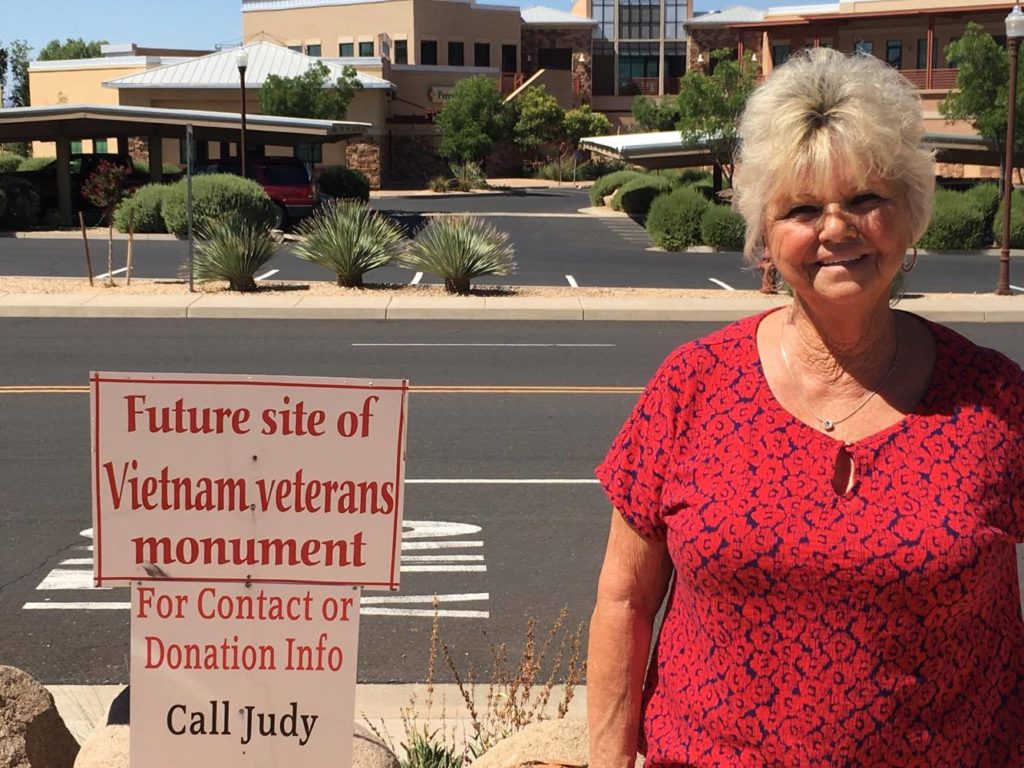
x,y
459,248
233,248
349,239
439,184
468,176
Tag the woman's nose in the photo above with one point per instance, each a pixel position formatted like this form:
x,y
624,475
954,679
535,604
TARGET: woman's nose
x,y
836,224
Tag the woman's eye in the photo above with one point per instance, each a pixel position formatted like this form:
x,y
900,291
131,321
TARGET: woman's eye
x,y
866,199
801,210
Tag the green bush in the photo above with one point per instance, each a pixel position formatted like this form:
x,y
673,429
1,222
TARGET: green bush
x,y
142,168
346,183
987,197
35,163
233,247
9,163
635,197
1016,221
606,185
958,223
459,248
674,221
23,203
722,228
213,196
145,208
439,184
694,176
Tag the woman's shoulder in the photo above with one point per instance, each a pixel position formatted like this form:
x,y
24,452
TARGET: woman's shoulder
x,y
725,349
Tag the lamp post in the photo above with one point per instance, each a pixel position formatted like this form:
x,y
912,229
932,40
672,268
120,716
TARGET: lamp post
x,y
242,60
1014,32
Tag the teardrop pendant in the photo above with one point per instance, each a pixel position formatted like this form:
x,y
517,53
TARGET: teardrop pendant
x,y
827,425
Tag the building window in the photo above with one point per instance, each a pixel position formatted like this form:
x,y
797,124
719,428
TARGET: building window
x,y
366,49
604,15
638,68
296,48
76,147
428,52
99,146
481,54
314,50
780,54
894,53
864,46
675,66
675,17
456,55
604,68
346,50
639,20
401,51
510,58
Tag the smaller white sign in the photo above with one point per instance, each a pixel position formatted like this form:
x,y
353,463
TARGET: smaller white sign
x,y
233,675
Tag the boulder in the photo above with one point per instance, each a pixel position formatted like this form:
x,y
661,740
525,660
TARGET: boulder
x,y
548,742
32,733
107,747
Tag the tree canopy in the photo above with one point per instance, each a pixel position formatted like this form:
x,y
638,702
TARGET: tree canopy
x,y
71,48
471,122
14,65
581,122
654,114
538,118
311,94
710,105
982,87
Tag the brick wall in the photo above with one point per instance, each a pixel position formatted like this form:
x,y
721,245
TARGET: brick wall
x,y
364,154
578,40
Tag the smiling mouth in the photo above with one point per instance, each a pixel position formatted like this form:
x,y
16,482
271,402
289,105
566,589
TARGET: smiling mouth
x,y
844,262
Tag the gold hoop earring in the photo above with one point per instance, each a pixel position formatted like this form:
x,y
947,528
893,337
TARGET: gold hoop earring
x,y
909,267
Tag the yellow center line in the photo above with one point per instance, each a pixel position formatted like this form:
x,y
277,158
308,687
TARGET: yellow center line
x,y
439,389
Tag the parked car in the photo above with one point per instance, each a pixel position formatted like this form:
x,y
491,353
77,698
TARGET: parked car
x,y
286,181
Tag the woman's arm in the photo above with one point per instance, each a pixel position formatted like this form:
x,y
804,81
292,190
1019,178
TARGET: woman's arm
x,y
633,581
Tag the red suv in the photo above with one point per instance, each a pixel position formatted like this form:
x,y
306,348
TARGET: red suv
x,y
285,179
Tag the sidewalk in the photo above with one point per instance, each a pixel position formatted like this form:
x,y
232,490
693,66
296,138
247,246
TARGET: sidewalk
x,y
294,305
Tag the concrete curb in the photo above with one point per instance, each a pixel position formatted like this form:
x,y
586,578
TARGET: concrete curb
x,y
296,306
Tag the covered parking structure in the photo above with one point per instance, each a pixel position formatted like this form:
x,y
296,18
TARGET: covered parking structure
x,y
65,123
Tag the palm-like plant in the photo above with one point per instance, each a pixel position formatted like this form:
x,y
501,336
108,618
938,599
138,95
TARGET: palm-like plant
x,y
350,239
459,248
233,248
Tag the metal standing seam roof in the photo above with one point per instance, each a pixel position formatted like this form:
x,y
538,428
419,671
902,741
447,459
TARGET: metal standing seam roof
x,y
249,6
732,15
220,70
541,14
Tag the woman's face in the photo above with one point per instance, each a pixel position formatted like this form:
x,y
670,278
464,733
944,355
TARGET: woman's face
x,y
840,246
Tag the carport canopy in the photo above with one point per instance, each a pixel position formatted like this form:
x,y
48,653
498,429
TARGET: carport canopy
x,y
63,123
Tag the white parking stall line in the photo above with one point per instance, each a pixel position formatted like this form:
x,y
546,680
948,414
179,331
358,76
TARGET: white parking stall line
x,y
111,274
719,283
77,606
428,599
437,568
441,558
265,275
66,578
572,281
416,278
424,613
441,545
77,561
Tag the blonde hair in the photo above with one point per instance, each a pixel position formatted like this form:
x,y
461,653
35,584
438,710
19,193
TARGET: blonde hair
x,y
823,110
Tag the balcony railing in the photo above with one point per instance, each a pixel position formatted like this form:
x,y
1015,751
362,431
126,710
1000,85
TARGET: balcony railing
x,y
634,86
942,79
510,81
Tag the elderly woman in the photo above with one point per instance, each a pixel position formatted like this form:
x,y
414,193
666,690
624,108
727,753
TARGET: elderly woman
x,y
833,490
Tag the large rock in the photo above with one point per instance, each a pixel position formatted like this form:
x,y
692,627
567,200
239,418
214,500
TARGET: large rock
x,y
107,747
549,742
32,733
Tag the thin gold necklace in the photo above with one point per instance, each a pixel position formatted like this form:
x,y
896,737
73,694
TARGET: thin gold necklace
x,y
829,424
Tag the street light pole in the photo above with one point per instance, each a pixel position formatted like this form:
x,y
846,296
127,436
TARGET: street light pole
x,y
1014,32
242,60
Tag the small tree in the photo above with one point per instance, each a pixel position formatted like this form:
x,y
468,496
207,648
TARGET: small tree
x,y
71,48
472,121
104,188
539,119
310,94
710,105
654,115
18,53
982,87
581,122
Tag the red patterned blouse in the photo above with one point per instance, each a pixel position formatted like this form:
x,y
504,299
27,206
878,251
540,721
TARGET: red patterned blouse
x,y
879,627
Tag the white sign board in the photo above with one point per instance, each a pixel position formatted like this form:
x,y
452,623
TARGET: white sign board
x,y
441,94
247,478
228,675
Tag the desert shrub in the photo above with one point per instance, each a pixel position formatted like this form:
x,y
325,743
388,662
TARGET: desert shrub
x,y
606,185
233,247
1016,221
145,208
987,197
597,167
694,176
458,249
557,169
349,239
958,223
213,196
439,184
635,197
35,163
23,203
722,228
674,221
9,163
345,183
468,176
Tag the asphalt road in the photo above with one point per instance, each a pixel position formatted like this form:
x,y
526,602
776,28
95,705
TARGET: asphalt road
x,y
541,543
554,246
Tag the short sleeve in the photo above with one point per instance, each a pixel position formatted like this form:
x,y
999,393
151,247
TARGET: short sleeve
x,y
644,454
